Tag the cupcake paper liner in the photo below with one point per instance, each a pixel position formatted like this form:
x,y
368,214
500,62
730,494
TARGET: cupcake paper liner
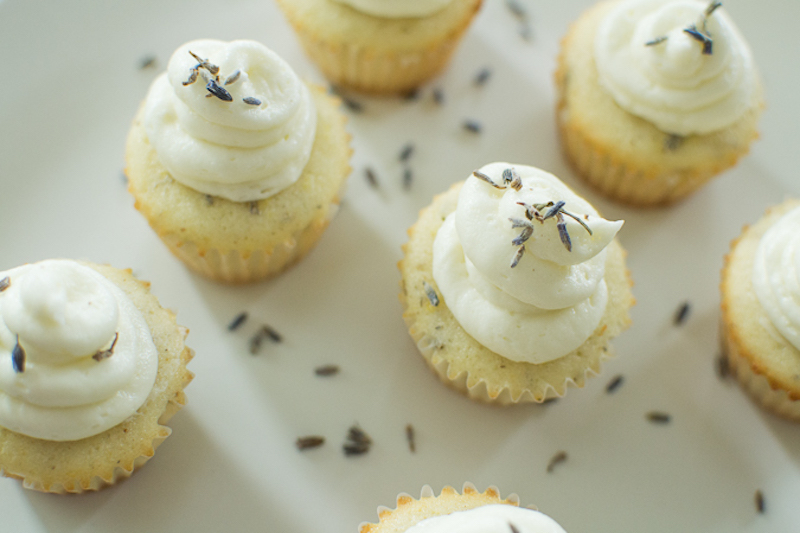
x,y
623,156
243,242
109,457
614,179
409,511
235,267
764,362
364,70
757,385
468,367
377,67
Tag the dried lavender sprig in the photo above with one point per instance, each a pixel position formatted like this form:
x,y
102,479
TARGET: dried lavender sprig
x,y
105,354
357,442
523,237
233,77
218,90
658,417
657,40
251,100
699,36
326,370
487,179
406,152
557,459
237,321
578,220
512,178
431,294
408,178
482,77
563,234
712,7
306,443
5,283
682,314
192,77
411,439
472,126
554,210
518,256
614,384
147,62
18,357
372,179
204,63
761,505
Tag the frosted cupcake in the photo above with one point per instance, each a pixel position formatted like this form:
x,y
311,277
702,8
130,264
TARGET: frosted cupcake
x,y
380,46
655,97
91,367
235,163
513,286
761,309
470,512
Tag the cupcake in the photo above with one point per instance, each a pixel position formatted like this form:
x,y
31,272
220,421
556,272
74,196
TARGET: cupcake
x,y
469,512
236,164
655,97
761,310
91,367
380,46
513,286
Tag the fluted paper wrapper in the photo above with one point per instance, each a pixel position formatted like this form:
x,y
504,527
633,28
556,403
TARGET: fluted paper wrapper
x,y
409,511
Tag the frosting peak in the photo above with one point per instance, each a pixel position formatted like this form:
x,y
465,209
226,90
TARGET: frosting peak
x,y
521,266
680,64
76,356
231,120
776,275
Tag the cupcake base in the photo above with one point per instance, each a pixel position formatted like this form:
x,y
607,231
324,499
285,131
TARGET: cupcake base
x,y
623,156
765,363
113,455
377,55
463,363
242,242
410,511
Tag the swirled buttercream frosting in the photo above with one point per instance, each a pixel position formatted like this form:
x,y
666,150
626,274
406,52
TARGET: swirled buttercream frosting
x,y
489,519
682,65
776,275
231,119
76,355
397,8
521,262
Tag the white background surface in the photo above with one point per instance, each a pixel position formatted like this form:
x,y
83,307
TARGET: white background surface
x,y
71,86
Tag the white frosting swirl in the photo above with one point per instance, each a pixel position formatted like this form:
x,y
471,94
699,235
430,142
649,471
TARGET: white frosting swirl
x,y
62,313
489,519
673,84
231,149
776,275
553,299
397,8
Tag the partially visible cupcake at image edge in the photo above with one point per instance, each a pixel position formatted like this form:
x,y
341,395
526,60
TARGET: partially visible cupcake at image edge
x,y
236,164
761,310
91,368
468,512
380,46
513,286
655,97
